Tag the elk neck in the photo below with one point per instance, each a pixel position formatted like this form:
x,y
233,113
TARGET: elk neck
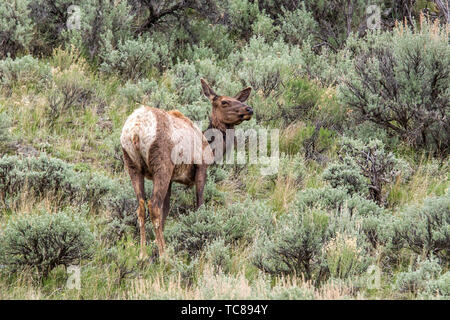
x,y
223,129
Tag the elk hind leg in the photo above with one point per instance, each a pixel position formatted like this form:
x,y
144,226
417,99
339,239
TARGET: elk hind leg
x,y
166,205
137,180
160,188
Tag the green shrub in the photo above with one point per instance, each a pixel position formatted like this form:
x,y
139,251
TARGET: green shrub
x,y
312,141
327,233
265,26
239,222
374,163
218,254
72,89
111,152
5,138
367,131
243,14
424,278
50,177
24,71
265,66
336,200
296,245
139,91
364,215
291,293
121,203
332,17
98,34
297,26
134,59
194,231
214,40
426,229
403,88
16,27
346,176
185,80
318,141
331,199
301,98
438,287
344,257
45,241
186,83
45,176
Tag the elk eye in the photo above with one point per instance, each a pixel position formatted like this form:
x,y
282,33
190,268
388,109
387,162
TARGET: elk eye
x,y
225,103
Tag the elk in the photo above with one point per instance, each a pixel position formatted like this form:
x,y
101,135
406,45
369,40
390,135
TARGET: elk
x,y
152,141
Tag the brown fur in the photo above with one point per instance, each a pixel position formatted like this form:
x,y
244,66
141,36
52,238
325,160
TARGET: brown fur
x,y
226,113
179,115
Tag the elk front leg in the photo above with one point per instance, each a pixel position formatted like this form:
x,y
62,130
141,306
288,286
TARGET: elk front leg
x,y
200,181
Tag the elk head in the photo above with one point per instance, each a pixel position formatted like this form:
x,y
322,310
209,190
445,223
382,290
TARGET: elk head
x,y
228,111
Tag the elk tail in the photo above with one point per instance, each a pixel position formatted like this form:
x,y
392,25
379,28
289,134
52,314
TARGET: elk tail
x,y
136,141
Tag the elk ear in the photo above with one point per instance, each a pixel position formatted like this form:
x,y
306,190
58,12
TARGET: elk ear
x,y
243,95
207,91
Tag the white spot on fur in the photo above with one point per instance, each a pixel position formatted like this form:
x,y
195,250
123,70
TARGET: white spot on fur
x,y
142,123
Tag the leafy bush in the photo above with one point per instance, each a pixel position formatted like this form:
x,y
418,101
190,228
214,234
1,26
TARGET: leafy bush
x,y
214,40
291,293
121,203
195,230
439,286
374,163
52,177
45,241
45,176
403,88
16,27
347,177
425,278
25,70
98,35
335,199
426,229
265,66
243,14
111,152
344,257
218,254
72,88
296,245
301,98
133,59
4,134
238,222
371,220
139,91
335,19
297,26
331,199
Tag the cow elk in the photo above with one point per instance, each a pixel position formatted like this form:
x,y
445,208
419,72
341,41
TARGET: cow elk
x,y
152,140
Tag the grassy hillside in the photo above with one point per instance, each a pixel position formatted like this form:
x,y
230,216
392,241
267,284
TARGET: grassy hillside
x,y
358,209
